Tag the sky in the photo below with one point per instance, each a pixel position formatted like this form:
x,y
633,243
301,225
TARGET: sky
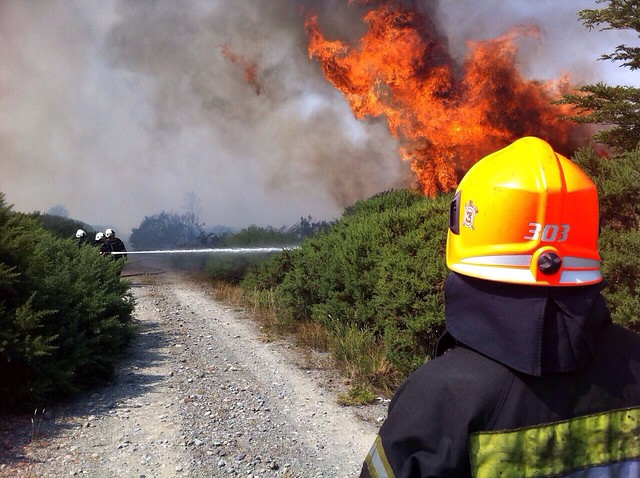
x,y
119,109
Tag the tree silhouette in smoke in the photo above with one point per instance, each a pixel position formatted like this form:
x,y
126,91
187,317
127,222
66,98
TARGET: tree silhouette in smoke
x,y
167,230
58,210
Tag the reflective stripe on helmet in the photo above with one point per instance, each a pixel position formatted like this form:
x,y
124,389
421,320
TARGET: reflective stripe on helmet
x,y
580,263
517,269
580,277
515,260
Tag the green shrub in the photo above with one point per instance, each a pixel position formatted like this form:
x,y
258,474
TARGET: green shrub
x,y
231,267
618,182
167,230
377,272
375,278
271,272
64,313
357,395
255,236
360,353
60,226
619,252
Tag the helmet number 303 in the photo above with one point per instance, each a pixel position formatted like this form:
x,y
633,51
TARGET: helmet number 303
x,y
547,232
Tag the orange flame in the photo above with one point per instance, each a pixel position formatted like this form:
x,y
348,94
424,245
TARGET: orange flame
x,y
445,116
249,67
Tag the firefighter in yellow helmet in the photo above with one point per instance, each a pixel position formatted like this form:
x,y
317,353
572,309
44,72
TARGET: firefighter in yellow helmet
x,y
531,377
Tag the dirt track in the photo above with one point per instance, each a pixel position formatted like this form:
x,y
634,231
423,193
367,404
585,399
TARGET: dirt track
x,y
201,393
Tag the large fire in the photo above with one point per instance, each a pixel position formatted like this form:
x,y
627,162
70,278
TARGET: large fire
x,y
445,115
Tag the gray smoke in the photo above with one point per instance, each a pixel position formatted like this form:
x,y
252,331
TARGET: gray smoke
x,y
117,109
563,46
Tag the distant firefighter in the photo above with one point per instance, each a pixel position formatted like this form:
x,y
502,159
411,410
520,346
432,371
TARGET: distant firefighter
x,y
98,240
112,244
81,237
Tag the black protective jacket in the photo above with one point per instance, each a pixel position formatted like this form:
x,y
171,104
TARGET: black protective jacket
x,y
534,381
113,244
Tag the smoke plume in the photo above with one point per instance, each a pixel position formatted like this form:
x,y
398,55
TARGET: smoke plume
x,y
117,109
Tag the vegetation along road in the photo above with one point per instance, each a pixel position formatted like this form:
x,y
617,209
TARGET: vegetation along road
x,y
203,392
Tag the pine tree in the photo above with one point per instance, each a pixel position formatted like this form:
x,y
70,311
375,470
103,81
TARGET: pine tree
x,y
615,106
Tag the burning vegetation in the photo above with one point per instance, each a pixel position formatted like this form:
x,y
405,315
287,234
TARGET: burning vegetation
x,y
445,115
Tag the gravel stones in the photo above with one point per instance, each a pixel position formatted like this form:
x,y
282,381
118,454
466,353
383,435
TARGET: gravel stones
x,y
198,395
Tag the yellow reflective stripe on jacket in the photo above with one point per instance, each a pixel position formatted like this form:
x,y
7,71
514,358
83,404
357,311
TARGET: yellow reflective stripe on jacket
x,y
556,449
377,462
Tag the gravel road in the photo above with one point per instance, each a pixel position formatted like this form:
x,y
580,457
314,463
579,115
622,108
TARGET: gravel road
x,y
201,393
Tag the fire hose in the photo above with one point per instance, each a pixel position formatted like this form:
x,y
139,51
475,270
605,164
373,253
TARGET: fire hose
x,y
221,250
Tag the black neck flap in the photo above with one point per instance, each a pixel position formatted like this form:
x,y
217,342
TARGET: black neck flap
x,y
533,329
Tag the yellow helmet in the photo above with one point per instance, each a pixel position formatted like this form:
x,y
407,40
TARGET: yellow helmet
x,y
525,215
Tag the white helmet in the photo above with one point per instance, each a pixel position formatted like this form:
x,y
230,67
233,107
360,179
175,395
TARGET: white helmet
x,y
80,233
109,233
99,236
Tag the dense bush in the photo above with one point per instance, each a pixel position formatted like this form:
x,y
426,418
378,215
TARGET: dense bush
x,y
230,267
233,267
64,313
255,236
376,275
375,279
619,251
167,230
61,226
618,182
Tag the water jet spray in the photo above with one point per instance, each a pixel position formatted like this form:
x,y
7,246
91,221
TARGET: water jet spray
x,y
221,250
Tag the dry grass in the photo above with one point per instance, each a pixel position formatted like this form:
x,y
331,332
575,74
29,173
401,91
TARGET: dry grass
x,y
228,294
36,423
357,395
361,356
312,335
